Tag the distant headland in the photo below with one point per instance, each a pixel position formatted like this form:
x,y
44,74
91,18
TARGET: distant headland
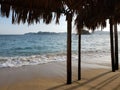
x,y
85,32
40,32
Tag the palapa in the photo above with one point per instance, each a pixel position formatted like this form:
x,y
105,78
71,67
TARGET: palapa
x,y
89,13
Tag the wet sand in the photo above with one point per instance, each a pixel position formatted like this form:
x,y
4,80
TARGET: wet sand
x,y
52,76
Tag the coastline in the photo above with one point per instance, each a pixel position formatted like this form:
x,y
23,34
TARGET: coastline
x,y
52,76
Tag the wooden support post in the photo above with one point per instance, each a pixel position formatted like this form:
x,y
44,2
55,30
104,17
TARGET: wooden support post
x,y
69,45
79,56
116,47
112,45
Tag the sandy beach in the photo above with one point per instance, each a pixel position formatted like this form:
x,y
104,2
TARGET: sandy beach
x,y
52,76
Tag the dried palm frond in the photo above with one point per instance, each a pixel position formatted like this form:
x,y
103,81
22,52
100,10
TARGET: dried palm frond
x,y
89,13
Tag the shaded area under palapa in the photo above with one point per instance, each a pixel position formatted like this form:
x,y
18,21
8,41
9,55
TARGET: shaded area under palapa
x,y
89,13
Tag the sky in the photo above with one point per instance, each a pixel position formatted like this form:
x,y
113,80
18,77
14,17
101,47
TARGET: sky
x,y
6,27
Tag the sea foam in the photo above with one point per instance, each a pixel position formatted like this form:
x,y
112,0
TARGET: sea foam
x,y
97,58
30,60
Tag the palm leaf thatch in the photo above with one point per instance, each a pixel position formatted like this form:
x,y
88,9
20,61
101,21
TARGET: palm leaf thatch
x,y
32,10
94,13
89,13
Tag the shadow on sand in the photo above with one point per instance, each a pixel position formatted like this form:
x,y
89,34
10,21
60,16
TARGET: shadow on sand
x,y
98,86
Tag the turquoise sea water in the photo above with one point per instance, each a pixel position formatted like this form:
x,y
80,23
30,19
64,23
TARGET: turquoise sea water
x,y
26,45
18,50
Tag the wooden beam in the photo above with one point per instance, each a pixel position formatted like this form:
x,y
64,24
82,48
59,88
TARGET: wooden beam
x,y
112,45
116,47
69,45
79,56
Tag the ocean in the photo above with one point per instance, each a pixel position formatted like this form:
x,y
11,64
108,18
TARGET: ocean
x,y
30,49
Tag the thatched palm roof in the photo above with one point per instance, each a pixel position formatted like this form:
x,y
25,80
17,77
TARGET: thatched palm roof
x,y
94,13
32,10
89,13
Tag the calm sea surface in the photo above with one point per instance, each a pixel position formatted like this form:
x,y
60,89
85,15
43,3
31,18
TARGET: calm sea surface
x,y
19,50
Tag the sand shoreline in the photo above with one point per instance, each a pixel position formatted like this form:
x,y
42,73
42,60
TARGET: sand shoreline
x,y
52,76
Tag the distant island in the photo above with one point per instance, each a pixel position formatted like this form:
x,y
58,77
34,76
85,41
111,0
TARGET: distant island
x,y
40,32
85,32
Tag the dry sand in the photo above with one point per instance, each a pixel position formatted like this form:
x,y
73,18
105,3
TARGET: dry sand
x,y
52,76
